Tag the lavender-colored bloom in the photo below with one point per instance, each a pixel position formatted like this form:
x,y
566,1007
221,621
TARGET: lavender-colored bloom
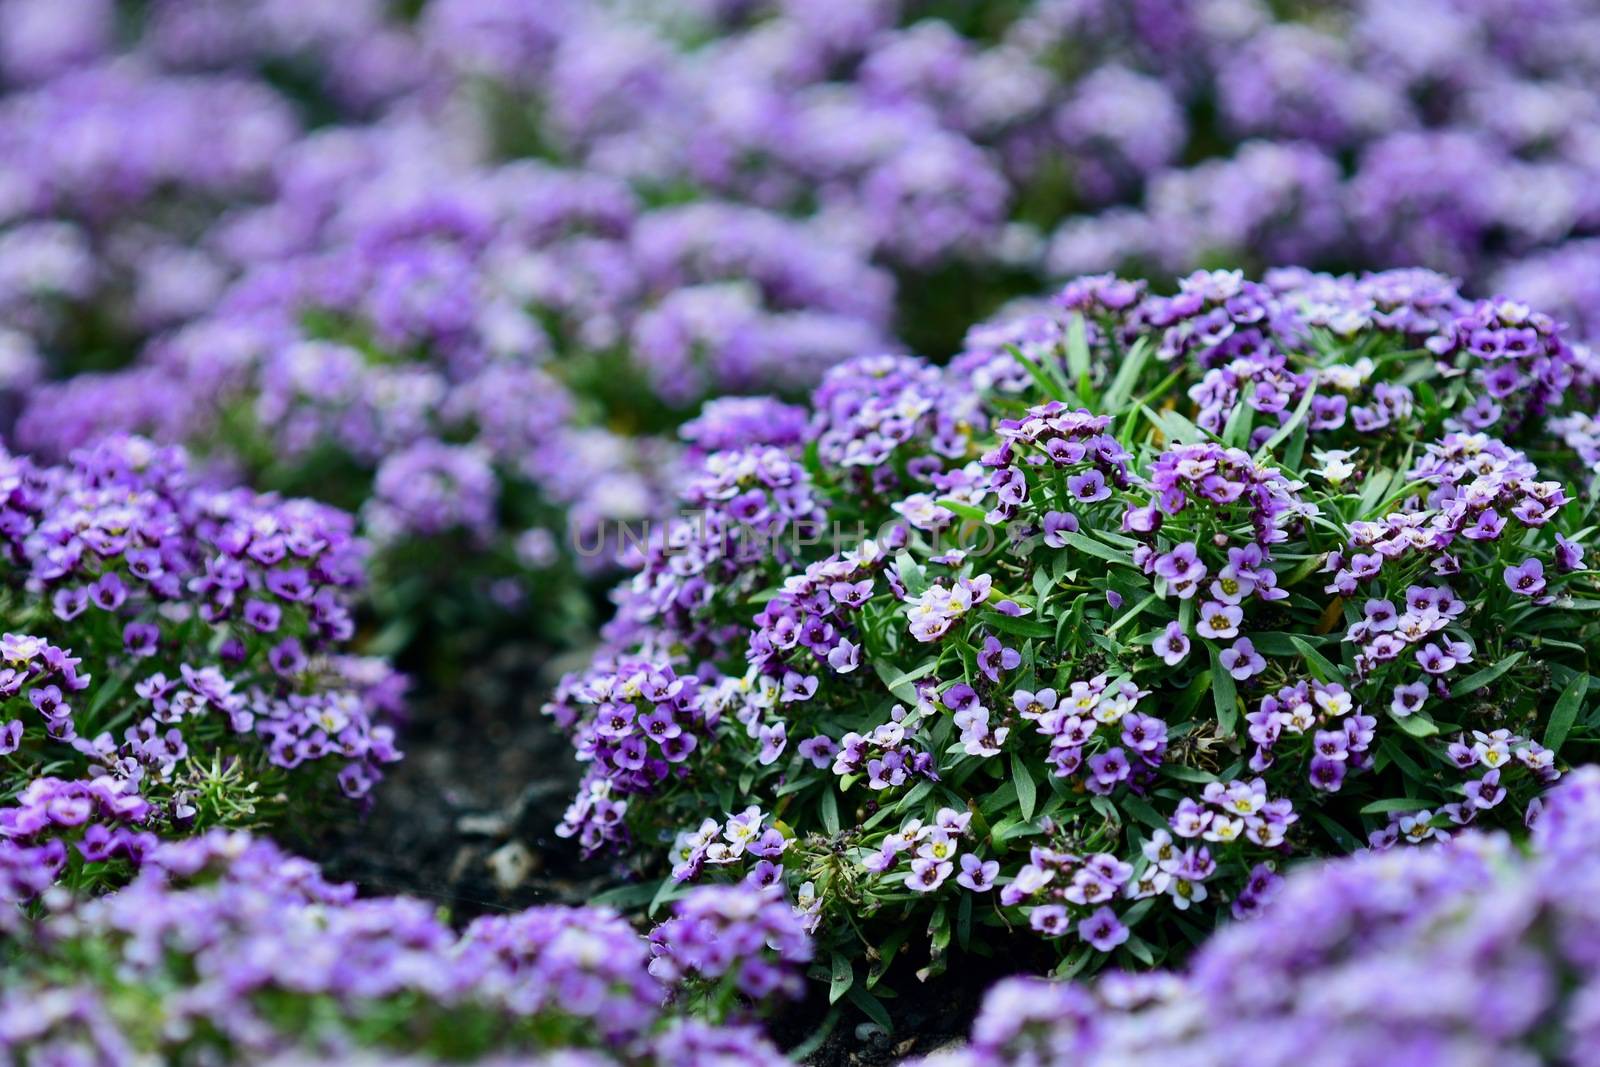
x,y
1526,578
1172,644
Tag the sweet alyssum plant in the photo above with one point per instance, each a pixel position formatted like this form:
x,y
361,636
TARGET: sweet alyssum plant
x,y
1093,632
226,949
1352,959
172,657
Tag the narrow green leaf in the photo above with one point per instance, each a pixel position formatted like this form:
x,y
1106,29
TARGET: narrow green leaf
x,y
1347,841
1383,807
1565,712
911,573
965,510
844,976
1132,613
1078,357
828,810
1085,543
1133,363
1474,682
1289,427
1027,791
1418,724
1140,950
899,683
1014,624
872,1007
1142,811
1051,387
1316,662
1236,432
1186,774
1224,694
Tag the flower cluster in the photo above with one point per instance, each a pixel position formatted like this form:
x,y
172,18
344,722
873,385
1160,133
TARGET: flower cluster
x,y
1092,669
177,658
225,946
743,934
1351,954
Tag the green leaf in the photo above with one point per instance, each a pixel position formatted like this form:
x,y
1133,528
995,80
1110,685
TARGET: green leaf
x,y
1133,363
1142,811
1474,682
1565,712
1014,624
1224,694
1085,543
872,1007
626,897
1289,427
1318,664
1052,388
899,683
1187,774
1418,724
1383,807
1236,432
1078,357
666,891
828,810
1131,614
844,976
1027,791
965,510
1347,841
911,573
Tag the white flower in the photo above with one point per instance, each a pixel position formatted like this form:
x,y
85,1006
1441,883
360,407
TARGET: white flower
x,y
1334,465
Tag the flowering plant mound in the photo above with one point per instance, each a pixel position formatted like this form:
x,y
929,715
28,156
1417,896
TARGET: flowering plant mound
x,y
174,657
449,364
224,949
1465,952
1094,631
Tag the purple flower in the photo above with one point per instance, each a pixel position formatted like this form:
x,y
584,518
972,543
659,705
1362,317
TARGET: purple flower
x,y
1327,774
1109,768
1242,660
1408,698
1057,522
1172,644
1103,930
1051,920
995,657
1089,487
774,739
975,875
928,874
1526,578
263,616
1182,570
141,639
1219,621
820,750
1569,554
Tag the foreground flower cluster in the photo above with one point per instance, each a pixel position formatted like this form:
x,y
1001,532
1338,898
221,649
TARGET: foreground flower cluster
x,y
224,949
1094,631
174,657
1471,952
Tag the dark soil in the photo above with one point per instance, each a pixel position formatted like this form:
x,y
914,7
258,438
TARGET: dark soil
x,y
467,818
